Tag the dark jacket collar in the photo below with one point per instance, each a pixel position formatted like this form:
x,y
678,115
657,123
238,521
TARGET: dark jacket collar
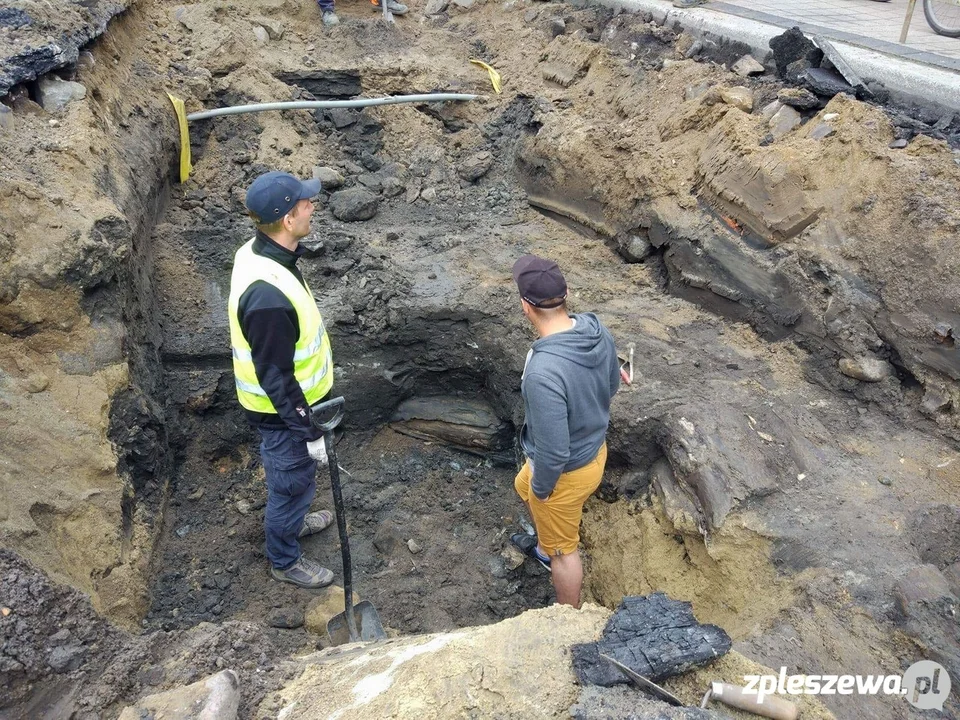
x,y
267,247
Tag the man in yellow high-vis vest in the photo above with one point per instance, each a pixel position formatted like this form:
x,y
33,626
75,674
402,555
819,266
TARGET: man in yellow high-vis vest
x,y
282,365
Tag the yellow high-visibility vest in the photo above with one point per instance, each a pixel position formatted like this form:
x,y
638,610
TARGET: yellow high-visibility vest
x,y
312,360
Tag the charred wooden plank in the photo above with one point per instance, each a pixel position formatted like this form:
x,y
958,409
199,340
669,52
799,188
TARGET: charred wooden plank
x,y
654,635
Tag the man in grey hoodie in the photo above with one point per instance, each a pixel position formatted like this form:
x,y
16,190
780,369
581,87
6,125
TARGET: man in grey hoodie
x,y
570,376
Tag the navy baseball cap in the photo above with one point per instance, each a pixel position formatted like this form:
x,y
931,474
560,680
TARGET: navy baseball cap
x,y
273,195
539,280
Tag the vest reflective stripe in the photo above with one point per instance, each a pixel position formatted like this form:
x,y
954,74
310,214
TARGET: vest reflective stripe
x,y
305,385
312,361
301,354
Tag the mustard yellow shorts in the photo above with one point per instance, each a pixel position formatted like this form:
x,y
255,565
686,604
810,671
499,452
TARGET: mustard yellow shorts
x,y
557,519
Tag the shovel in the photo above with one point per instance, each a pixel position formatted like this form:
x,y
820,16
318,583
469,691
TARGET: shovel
x,y
358,622
387,15
732,695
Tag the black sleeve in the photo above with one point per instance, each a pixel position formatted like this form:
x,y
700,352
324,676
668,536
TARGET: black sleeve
x,y
271,326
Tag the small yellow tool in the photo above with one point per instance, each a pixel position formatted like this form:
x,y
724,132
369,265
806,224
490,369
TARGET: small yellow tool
x,y
494,75
185,166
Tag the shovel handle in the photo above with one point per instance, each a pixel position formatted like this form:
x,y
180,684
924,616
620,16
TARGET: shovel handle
x,y
770,707
320,409
326,426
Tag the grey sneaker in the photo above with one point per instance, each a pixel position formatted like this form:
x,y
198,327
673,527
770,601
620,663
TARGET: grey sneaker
x,y
315,522
305,573
393,6
329,18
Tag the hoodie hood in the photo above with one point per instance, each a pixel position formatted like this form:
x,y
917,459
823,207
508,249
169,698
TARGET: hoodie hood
x,y
582,345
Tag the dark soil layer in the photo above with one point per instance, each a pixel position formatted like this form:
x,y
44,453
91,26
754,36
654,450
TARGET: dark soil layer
x,y
58,659
456,508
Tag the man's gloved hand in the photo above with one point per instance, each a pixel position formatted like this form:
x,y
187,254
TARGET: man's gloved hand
x,y
317,449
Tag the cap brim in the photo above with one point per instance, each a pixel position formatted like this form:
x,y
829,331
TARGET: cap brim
x,y
309,188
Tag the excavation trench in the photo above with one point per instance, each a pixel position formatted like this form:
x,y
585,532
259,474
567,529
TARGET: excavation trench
x,y
429,524
754,470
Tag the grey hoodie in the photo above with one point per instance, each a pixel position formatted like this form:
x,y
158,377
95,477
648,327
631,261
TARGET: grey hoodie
x,y
568,382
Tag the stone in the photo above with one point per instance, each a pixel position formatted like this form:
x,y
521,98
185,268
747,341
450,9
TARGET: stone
x,y
14,18
799,98
826,82
217,696
273,27
327,603
791,46
747,66
693,50
326,84
429,194
435,7
796,70
286,618
934,531
370,181
56,94
413,546
65,658
371,162
261,35
476,166
244,507
353,205
7,123
692,92
329,178
387,539
464,4
392,187
191,18
683,44
86,61
531,15
770,109
36,382
343,117
634,247
740,97
934,401
557,26
898,144
865,369
923,586
512,557
783,121
822,131
952,576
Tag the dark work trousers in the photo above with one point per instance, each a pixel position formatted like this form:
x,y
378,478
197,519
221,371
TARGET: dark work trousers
x,y
291,483
325,5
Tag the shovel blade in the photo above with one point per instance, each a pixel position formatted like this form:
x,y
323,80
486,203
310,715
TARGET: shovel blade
x,y
369,626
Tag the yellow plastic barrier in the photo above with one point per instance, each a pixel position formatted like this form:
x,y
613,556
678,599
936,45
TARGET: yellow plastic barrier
x,y
185,166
